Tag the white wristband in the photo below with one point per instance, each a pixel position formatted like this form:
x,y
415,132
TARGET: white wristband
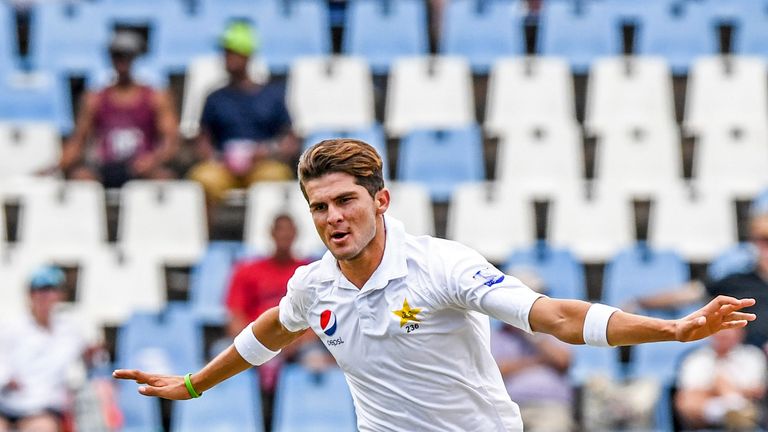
x,y
251,349
596,324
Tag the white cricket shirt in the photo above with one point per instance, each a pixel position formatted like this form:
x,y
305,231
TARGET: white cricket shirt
x,y
414,342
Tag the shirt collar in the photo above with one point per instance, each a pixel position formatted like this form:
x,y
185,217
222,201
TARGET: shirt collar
x,y
393,265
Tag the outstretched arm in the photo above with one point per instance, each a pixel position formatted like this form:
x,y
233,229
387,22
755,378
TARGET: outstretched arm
x,y
267,329
564,319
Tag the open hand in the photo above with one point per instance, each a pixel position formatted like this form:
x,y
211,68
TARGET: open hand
x,y
164,386
720,314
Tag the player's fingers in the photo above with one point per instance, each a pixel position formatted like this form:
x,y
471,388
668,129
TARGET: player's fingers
x,y
149,390
740,316
733,324
132,374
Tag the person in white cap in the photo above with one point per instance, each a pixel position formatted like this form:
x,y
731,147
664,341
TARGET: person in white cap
x,y
407,317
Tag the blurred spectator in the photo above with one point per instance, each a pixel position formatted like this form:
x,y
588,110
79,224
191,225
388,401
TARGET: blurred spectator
x,y
752,283
38,354
721,385
535,372
134,127
245,129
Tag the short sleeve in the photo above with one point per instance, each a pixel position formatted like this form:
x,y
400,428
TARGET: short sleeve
x,y
475,284
296,302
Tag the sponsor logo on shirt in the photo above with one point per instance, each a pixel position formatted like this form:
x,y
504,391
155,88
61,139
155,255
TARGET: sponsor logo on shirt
x,y
408,316
328,322
488,277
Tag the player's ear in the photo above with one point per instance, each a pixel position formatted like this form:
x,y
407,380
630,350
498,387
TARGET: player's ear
x,y
382,200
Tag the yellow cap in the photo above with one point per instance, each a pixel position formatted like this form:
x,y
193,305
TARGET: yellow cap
x,y
240,38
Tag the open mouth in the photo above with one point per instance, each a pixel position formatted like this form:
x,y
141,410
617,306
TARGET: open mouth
x,y
339,236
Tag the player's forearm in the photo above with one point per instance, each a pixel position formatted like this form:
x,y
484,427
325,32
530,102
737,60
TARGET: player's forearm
x,y
630,329
227,364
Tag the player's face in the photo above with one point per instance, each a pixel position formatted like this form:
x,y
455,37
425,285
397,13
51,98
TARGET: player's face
x,y
346,217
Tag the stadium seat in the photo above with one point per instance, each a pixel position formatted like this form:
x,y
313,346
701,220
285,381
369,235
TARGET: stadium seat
x,y
639,163
232,406
698,222
383,30
482,31
593,227
28,147
633,92
578,32
209,279
737,259
735,159
139,12
163,219
373,135
634,13
36,97
9,59
590,361
63,221
293,29
562,274
545,158
751,30
204,75
316,401
269,199
530,91
112,285
640,271
680,34
429,93
218,13
728,91
760,202
330,93
441,159
68,37
411,204
490,218
140,413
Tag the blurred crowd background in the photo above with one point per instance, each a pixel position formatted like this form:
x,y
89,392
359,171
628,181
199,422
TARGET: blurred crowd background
x,y
605,150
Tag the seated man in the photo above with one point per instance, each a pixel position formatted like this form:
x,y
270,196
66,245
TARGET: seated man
x,y
721,384
134,128
36,353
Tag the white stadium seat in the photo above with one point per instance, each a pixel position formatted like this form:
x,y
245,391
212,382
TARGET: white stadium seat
x,y
633,92
529,91
165,219
429,93
28,147
330,93
698,222
204,75
491,218
728,91
411,204
594,228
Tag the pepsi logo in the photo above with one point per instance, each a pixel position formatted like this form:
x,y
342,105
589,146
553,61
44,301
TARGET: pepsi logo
x,y
328,322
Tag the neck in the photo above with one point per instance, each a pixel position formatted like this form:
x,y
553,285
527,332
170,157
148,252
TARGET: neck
x,y
360,268
283,256
42,320
241,81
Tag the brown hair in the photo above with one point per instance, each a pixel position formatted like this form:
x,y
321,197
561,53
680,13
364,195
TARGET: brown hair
x,y
343,155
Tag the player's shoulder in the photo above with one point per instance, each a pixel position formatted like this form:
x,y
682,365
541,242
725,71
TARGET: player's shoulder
x,y
311,275
435,249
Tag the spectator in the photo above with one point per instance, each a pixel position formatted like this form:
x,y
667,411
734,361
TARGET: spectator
x,y
752,283
245,130
37,352
534,367
720,385
134,127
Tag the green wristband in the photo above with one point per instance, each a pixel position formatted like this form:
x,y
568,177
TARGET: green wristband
x,y
190,389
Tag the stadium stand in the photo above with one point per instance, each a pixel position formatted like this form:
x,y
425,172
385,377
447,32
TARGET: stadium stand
x,y
373,135
562,274
589,361
330,93
208,281
28,147
750,29
289,30
383,30
736,259
412,205
37,96
139,412
9,59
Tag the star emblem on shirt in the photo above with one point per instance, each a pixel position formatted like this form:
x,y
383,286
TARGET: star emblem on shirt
x,y
407,313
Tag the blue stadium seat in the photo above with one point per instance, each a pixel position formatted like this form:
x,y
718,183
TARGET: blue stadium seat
x,y
178,37
218,12
580,34
562,274
642,271
176,345
309,401
382,30
634,12
36,96
441,159
679,34
739,258
373,136
760,203
482,31
8,42
140,413
292,29
232,406
209,280
138,12
589,361
751,29
69,38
